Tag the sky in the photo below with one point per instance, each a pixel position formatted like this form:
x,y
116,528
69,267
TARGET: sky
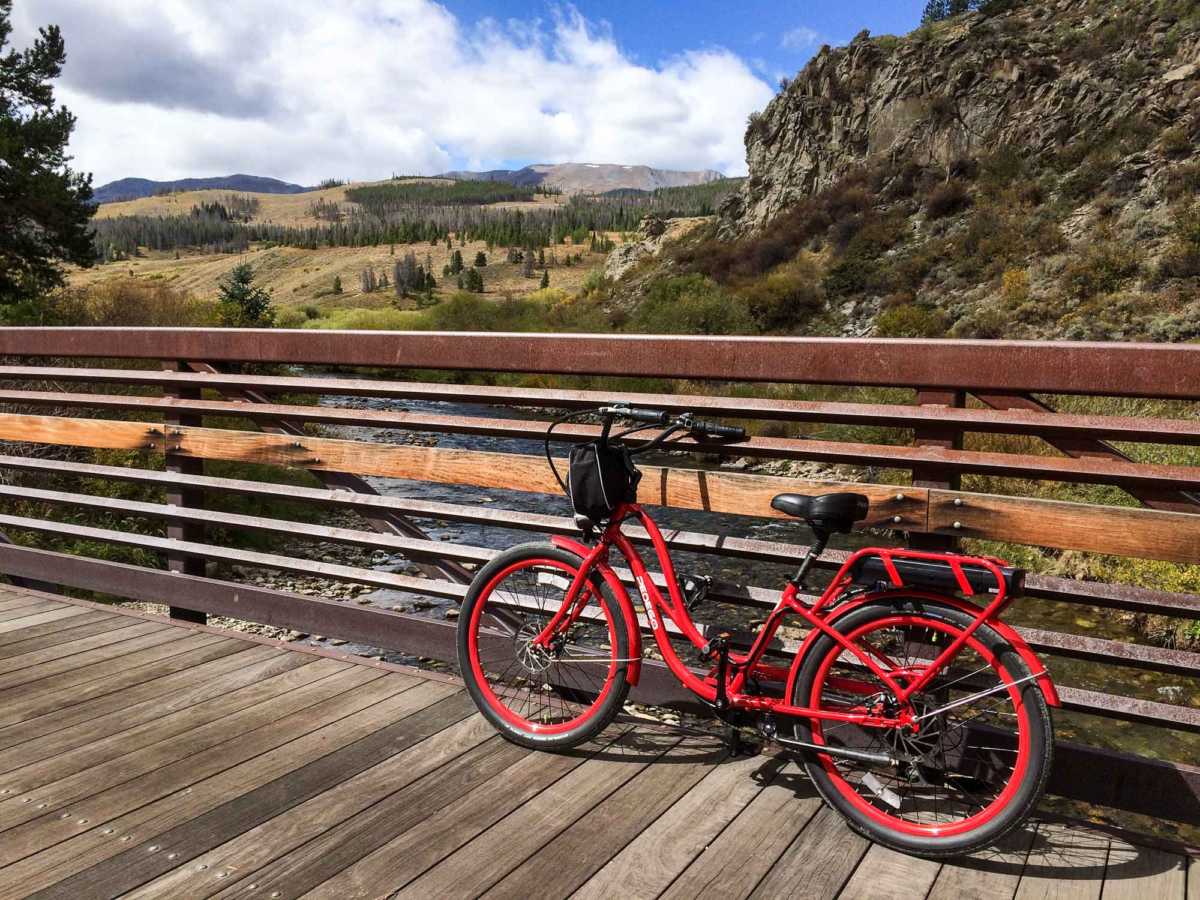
x,y
304,90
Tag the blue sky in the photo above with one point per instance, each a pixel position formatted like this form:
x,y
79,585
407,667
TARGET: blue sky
x,y
776,38
309,89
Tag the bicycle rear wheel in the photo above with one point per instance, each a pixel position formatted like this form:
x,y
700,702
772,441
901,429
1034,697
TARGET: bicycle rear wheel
x,y
978,762
542,698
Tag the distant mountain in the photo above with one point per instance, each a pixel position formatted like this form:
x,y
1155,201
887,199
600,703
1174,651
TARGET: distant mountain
x,y
592,178
134,188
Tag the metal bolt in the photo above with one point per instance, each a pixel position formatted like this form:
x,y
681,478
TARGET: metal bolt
x,y
222,874
958,524
82,822
899,496
201,867
897,519
958,501
172,855
125,838
154,848
66,815
107,831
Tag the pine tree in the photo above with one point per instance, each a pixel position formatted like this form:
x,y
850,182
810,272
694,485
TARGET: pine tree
x,y
337,284
527,264
45,207
546,278
456,262
242,305
480,259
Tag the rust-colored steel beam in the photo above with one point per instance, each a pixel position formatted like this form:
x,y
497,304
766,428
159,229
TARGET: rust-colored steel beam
x,y
1116,369
1014,420
1089,446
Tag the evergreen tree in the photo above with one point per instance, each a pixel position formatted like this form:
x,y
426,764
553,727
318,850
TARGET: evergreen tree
x,y
45,207
480,259
527,264
545,278
456,262
242,305
337,284
473,281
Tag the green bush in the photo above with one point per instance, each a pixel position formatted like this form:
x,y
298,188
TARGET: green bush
x,y
910,321
691,304
1103,269
784,299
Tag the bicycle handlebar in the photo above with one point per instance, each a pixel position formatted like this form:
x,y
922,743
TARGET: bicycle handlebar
x,y
684,422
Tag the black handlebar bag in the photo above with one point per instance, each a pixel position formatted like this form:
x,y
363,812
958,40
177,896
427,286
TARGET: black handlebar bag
x,y
599,478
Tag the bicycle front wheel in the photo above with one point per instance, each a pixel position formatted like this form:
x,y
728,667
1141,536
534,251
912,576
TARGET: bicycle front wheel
x,y
978,760
546,698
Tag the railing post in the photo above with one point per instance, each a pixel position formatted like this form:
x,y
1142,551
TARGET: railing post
x,y
183,496
932,476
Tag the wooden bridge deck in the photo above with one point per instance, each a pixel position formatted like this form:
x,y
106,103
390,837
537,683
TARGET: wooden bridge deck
x,y
146,758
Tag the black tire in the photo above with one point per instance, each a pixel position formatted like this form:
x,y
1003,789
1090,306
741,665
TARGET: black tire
x,y
598,715
1030,785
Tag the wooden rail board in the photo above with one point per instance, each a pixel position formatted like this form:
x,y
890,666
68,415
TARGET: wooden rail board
x,y
385,782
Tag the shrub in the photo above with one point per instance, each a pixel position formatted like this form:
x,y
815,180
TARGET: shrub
x,y
910,321
690,304
311,311
946,199
120,302
785,298
1183,181
1103,269
1014,287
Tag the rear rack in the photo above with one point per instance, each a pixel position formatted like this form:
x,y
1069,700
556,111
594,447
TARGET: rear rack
x,y
940,572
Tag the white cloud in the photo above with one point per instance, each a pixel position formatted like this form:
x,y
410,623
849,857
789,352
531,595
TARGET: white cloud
x,y
800,38
307,89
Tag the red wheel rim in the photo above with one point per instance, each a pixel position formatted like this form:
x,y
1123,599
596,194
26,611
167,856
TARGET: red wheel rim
x,y
493,700
895,823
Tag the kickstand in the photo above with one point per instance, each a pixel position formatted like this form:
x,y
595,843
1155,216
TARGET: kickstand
x,y
738,745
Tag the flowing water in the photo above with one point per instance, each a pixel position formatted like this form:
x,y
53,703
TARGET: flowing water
x,y
1064,617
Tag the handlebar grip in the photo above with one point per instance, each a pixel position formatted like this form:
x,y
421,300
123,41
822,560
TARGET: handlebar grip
x,y
650,416
723,431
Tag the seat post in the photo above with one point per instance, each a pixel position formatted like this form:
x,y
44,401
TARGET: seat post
x,y
814,551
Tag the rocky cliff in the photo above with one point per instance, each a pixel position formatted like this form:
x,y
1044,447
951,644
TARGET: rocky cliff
x,y
1040,77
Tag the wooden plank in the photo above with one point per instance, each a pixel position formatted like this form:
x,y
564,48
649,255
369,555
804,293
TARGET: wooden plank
x,y
649,864
1193,884
1137,873
745,851
124,872
687,488
817,864
240,856
414,851
1123,531
565,863
26,606
149,774
211,694
308,866
73,649
51,630
195,786
989,874
885,874
80,626
107,678
141,636
125,702
50,783
1065,863
16,626
473,868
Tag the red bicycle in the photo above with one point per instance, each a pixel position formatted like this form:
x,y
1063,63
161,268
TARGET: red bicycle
x,y
918,714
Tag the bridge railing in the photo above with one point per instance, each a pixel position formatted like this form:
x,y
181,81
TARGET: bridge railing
x,y
159,392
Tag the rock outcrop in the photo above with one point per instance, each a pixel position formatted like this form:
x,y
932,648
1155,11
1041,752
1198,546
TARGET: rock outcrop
x,y
1037,76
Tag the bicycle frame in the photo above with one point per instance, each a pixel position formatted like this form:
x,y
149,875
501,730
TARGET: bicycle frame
x,y
749,666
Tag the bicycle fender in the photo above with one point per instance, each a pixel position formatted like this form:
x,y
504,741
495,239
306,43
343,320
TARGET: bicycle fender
x,y
575,548
1019,644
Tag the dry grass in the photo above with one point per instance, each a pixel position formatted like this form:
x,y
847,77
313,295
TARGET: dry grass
x,y
303,277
